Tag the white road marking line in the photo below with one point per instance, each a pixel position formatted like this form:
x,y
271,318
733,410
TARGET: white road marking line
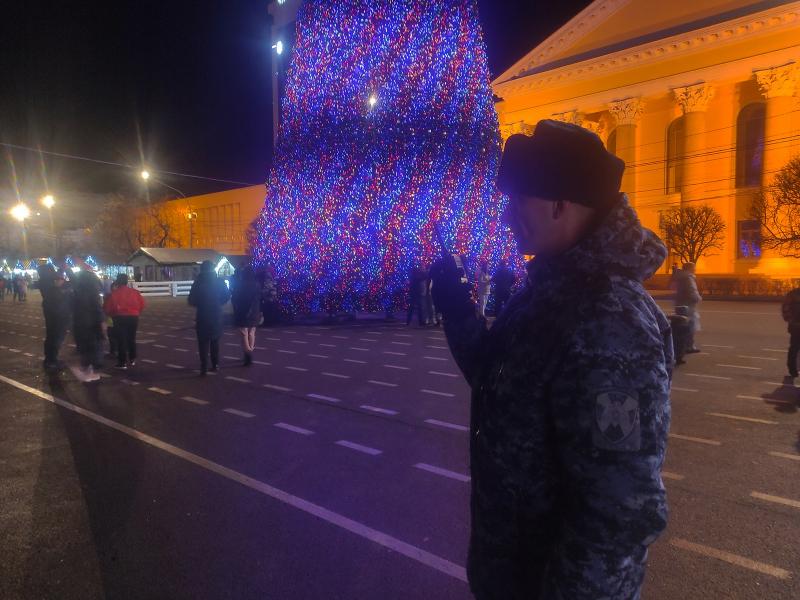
x,y
673,476
375,409
159,346
318,356
159,390
238,413
374,333
149,361
383,383
180,349
169,335
273,339
353,360
784,455
366,340
314,334
340,337
708,376
294,428
698,440
734,559
442,472
401,343
435,393
738,418
402,335
328,345
359,447
756,357
446,424
789,385
438,347
27,354
260,348
287,351
189,339
739,367
171,366
338,375
289,331
194,400
762,399
239,379
232,357
359,349
321,397
129,382
395,353
682,389
714,345
301,369
399,367
14,350
262,363
434,358
299,342
784,351
229,333
382,539
232,344
776,499
443,374
278,388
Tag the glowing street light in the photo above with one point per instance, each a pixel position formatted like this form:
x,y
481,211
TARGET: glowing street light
x,y
278,47
49,201
145,174
20,212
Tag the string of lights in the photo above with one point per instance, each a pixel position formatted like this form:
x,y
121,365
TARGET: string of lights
x,y
388,128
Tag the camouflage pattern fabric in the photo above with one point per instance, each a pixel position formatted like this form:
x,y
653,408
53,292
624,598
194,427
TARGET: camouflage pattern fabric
x,y
570,414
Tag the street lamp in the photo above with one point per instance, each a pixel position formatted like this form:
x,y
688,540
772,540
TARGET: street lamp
x,y
49,201
145,174
191,216
21,212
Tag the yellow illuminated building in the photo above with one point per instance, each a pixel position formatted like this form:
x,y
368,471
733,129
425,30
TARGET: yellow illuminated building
x,y
699,97
217,221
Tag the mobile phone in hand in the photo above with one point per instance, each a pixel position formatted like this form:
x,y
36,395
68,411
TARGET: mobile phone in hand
x,y
446,253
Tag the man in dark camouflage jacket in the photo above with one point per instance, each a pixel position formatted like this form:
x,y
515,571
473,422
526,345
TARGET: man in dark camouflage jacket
x,y
570,386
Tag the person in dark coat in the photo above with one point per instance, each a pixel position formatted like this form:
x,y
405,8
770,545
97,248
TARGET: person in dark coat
x,y
57,309
87,324
246,300
503,280
418,286
790,311
570,386
208,295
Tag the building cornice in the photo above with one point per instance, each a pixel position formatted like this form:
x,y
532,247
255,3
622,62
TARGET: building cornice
x,y
766,22
586,21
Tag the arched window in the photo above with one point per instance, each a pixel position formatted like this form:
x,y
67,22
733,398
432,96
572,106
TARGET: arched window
x,y
611,143
750,145
676,149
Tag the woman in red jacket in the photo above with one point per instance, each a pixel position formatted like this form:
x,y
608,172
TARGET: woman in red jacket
x,y
124,305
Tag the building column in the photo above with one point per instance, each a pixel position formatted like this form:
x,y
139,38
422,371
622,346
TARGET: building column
x,y
693,100
627,114
778,85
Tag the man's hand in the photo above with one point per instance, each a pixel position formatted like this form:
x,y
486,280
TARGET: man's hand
x,y
451,297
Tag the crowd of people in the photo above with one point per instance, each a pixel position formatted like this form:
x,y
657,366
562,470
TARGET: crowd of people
x,y
16,286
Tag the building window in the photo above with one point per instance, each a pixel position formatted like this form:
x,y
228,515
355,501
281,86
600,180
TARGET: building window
x,y
749,239
611,144
750,145
676,148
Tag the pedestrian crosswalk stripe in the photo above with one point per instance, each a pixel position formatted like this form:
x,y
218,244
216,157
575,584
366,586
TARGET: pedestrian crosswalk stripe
x,y
158,390
238,413
443,472
294,428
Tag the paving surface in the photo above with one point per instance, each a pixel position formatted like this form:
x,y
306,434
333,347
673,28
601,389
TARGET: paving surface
x,y
336,467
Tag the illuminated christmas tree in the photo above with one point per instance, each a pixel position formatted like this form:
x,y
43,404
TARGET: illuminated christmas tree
x,y
388,127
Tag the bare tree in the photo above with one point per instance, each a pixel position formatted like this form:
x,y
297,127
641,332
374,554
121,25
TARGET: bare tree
x,y
777,209
690,232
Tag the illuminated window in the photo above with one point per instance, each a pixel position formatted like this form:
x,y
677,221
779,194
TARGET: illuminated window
x,y
750,145
676,148
749,239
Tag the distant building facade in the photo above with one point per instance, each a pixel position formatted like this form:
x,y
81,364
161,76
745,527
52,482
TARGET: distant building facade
x,y
699,97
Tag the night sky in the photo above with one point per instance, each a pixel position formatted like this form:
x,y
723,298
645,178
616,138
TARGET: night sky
x,y
190,78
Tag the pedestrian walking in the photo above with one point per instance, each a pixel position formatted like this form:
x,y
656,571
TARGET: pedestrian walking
x,y
124,306
418,288
686,294
791,314
57,310
503,280
87,325
484,281
570,386
208,295
246,300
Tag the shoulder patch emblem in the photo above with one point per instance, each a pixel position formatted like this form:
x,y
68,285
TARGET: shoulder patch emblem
x,y
616,421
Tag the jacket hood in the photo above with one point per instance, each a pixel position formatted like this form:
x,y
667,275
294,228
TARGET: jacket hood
x,y
620,245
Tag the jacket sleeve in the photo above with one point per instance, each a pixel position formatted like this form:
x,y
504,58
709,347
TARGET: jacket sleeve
x,y
610,411
466,338
192,299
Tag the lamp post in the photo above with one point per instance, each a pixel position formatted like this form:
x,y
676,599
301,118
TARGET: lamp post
x,y
21,212
191,216
49,202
